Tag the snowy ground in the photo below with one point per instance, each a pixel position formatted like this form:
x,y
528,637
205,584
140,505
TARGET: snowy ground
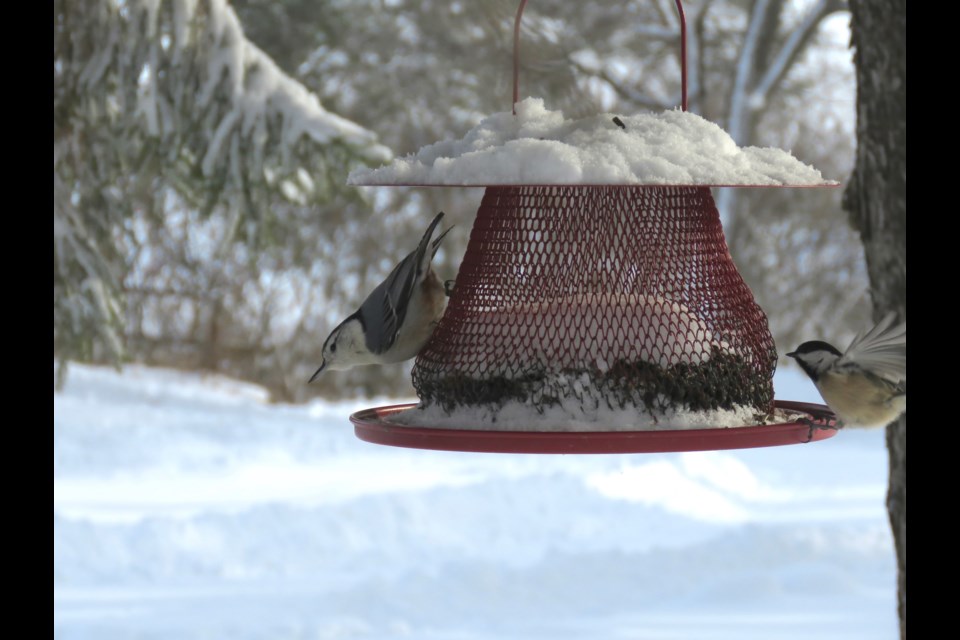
x,y
186,507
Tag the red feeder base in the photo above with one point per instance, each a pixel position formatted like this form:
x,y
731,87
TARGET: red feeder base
x,y
618,296
369,425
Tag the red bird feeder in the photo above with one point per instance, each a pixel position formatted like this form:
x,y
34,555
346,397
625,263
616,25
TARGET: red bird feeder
x,y
604,314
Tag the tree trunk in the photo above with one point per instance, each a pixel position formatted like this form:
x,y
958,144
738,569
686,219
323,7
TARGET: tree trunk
x,y
876,199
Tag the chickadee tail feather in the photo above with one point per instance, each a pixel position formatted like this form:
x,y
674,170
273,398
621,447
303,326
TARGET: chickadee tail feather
x,y
882,349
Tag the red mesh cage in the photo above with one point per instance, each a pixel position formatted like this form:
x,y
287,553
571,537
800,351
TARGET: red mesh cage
x,y
618,296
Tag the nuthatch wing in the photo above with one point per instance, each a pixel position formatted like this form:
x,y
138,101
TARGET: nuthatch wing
x,y
866,385
395,321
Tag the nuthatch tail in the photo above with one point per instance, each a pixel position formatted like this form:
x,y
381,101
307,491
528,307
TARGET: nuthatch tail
x,y
395,321
866,386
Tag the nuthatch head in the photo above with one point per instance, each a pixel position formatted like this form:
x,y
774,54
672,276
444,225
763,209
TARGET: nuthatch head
x,y
866,385
397,319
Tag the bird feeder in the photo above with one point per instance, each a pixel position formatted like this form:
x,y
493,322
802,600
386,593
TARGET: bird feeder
x,y
596,318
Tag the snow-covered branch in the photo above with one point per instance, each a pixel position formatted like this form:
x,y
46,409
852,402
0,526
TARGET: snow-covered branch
x,y
162,98
188,80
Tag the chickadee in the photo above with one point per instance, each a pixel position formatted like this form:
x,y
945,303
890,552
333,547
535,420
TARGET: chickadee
x,y
866,386
395,321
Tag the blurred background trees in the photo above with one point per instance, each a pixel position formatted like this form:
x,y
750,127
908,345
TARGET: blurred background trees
x,y
200,217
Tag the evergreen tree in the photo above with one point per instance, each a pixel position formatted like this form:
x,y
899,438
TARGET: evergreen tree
x,y
163,107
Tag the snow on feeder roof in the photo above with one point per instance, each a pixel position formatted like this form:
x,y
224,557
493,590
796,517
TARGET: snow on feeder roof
x,y
597,308
538,146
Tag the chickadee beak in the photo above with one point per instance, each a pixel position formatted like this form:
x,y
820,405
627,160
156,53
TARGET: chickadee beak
x,y
792,354
314,376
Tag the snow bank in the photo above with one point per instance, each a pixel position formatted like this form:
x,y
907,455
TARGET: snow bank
x,y
187,508
539,146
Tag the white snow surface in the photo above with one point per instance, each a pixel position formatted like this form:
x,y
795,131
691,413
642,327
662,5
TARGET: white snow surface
x,y
186,506
572,415
540,147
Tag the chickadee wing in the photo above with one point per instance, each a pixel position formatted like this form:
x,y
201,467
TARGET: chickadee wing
x,y
384,310
881,350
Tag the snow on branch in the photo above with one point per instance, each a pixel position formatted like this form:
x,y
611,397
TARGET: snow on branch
x,y
179,81
157,101
200,60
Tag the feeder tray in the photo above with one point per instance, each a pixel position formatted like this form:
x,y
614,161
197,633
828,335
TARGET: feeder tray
x,y
598,300
372,425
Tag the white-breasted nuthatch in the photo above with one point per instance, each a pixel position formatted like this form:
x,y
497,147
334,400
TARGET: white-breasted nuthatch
x,y
866,385
395,321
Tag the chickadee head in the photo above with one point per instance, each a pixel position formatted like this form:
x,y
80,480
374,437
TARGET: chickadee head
x,y
865,386
815,357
